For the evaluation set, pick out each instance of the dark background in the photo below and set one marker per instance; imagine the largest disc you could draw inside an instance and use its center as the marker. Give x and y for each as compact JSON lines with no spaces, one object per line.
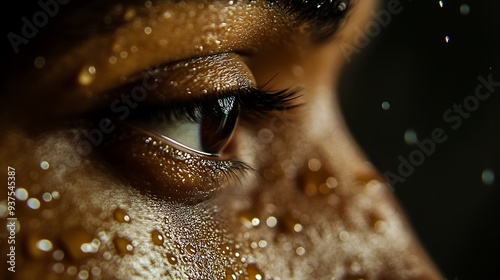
{"x":410,"y":65}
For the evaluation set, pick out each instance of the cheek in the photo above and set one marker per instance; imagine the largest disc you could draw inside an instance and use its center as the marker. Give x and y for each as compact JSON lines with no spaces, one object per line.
{"x":75,"y":218}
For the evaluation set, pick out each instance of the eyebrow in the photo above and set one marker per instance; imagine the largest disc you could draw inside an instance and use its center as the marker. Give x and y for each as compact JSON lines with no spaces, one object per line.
{"x":323,"y":16}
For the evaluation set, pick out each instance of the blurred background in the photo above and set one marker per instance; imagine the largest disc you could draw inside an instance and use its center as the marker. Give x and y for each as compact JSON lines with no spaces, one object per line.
{"x":396,"y":91}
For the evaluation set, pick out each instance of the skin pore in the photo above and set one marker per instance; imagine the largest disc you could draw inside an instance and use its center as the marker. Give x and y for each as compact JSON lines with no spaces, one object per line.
{"x":309,"y":206}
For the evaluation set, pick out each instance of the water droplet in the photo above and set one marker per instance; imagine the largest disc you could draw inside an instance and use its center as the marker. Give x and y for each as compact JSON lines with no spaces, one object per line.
{"x":157,"y":237}
{"x":410,"y":137}
{"x":190,"y":249}
{"x":33,"y":203}
{"x":21,"y":194}
{"x":254,"y":272}
{"x":380,"y":226}
{"x":55,"y":195}
{"x":129,"y":14}
{"x":121,"y":216}
{"x":58,"y":268}
{"x":355,"y":267}
{"x":112,"y":59}
{"x":344,"y":235}
{"x":73,"y":240}
{"x":230,"y":274}
{"x":148,"y":30}
{"x":96,"y":271}
{"x":314,"y":165}
{"x":300,"y":251}
{"x":123,"y":245}
{"x":386,"y":105}
{"x":44,"y":245}
{"x":44,"y":165}
{"x":39,"y":62}
{"x":271,"y":221}
{"x":171,"y":259}
{"x":148,"y":4}
{"x":83,"y":274}
{"x":464,"y":9}
{"x":447,"y":39}
{"x":488,"y":177}
{"x":123,"y":54}
{"x":72,"y":270}
{"x":58,"y":255}
{"x":90,"y":247}
{"x":47,"y":197}
{"x":441,"y":4}
{"x":262,"y":243}
{"x":86,"y":75}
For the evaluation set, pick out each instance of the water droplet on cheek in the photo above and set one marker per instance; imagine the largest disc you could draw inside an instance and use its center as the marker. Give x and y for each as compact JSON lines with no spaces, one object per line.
{"x":171,"y":259}
{"x":254,"y":272}
{"x":157,"y":238}
{"x":123,"y":245}
{"x":121,"y":216}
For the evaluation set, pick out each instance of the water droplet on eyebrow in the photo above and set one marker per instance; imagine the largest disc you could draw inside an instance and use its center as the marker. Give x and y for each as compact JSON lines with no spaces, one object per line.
{"x":39,"y":62}
{"x":148,"y":30}
{"x":123,"y":54}
{"x":86,"y":76}
{"x":148,"y":4}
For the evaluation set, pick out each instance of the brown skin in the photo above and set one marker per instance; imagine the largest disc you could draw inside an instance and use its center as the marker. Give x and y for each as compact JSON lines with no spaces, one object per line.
{"x":310,"y":226}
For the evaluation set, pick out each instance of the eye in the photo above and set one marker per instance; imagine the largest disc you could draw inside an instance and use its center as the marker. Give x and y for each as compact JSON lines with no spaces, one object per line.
{"x":169,"y":144}
{"x":205,"y":126}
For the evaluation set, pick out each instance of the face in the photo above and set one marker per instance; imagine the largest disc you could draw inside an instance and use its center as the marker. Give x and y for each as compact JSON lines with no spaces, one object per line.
{"x":195,"y":140}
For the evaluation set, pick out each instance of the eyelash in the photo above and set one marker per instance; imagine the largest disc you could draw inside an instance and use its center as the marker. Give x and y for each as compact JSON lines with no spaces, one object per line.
{"x":134,"y":149}
{"x":255,"y":104}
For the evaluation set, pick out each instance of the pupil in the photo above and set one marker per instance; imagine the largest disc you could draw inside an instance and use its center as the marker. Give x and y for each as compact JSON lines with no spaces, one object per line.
{"x":217,"y":124}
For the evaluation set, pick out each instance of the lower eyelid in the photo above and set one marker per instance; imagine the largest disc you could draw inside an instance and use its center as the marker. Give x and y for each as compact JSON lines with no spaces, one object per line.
{"x":158,"y":167}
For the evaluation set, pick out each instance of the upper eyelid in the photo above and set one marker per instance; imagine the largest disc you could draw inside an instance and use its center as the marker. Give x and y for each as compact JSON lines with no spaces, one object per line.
{"x":186,"y":80}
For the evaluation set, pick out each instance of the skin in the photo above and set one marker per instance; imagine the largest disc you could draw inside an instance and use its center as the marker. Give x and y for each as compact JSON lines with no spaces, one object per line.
{"x":312,"y":209}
